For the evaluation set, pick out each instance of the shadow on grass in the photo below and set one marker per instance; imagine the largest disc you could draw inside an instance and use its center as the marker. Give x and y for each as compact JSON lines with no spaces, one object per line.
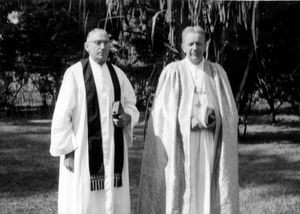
{"x":286,"y":130}
{"x":256,"y":170}
{"x":286,"y":136}
{"x":281,"y":119}
{"x":26,"y":165}
{"x":34,"y":123}
{"x":23,"y":128}
{"x":18,"y":183}
{"x":269,"y":158}
{"x":22,"y":134}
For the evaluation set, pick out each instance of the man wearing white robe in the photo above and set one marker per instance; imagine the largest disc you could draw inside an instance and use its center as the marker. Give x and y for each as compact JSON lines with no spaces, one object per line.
{"x":69,"y":134}
{"x":190,"y":154}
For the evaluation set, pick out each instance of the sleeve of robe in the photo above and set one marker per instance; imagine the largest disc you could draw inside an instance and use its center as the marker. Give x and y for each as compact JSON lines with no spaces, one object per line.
{"x":62,"y":134}
{"x":228,"y":151}
{"x":162,"y":127}
{"x":129,"y":105}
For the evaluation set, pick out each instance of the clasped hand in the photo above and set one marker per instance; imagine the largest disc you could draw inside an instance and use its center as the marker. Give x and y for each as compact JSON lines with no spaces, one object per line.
{"x":209,"y":123}
{"x":121,"y":120}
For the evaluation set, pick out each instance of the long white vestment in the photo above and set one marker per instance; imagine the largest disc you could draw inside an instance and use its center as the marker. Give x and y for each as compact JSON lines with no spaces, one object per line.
{"x":69,"y":132}
{"x":168,"y":183}
{"x":202,"y":142}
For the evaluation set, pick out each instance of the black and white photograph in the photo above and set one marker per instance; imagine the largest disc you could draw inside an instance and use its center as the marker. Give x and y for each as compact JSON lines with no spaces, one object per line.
{"x":149,"y":107}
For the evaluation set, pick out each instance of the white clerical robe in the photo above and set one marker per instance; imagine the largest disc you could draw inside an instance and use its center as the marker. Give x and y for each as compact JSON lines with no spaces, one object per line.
{"x":202,"y":143}
{"x":69,"y":132}
{"x":186,"y":171}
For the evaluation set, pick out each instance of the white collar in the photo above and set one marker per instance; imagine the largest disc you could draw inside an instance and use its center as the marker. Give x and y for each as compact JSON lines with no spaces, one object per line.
{"x":94,"y":63}
{"x":193,"y":68}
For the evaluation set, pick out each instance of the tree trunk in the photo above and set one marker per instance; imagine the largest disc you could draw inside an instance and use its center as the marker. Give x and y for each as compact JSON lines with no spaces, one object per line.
{"x":273,"y":117}
{"x":271,"y":102}
{"x":243,"y":81}
{"x":273,"y":112}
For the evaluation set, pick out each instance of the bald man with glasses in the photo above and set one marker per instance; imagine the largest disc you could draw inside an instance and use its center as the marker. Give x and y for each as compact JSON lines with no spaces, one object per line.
{"x":91,"y":130}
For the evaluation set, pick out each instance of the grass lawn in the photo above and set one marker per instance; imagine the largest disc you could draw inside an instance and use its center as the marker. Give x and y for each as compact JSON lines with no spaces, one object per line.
{"x":269,"y":167}
{"x":28,"y":174}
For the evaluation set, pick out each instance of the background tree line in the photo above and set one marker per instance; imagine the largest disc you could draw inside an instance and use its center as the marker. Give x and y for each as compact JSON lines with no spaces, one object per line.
{"x":256,"y":42}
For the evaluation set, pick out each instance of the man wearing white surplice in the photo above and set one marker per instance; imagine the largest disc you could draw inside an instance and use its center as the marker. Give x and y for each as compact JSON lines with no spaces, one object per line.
{"x":79,"y":191}
{"x":190,"y":155}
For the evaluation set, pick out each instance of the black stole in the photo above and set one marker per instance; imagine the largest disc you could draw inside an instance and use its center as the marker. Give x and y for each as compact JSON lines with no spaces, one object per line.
{"x":96,"y":164}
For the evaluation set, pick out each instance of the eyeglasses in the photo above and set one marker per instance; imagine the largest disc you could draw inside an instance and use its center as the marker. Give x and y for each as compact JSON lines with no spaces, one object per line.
{"x":99,"y":42}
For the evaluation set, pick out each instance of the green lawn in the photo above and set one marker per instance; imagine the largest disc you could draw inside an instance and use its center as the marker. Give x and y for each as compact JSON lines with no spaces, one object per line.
{"x":269,"y":167}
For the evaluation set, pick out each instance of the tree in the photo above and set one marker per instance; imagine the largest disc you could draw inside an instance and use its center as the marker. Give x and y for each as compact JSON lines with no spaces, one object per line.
{"x":44,"y":41}
{"x":277,"y":54}
{"x":146,"y":36}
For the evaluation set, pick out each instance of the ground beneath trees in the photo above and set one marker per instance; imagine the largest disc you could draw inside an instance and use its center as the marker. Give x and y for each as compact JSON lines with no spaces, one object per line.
{"x":269,"y":167}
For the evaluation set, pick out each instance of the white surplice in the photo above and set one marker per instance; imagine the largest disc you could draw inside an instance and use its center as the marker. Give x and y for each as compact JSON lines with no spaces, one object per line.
{"x":202,"y":143}
{"x":186,"y":171}
{"x":69,"y":132}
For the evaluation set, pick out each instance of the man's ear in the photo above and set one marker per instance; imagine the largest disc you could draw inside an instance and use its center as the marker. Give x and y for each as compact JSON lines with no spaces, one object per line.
{"x":86,"y":47}
{"x":182,"y":47}
{"x":205,"y":49}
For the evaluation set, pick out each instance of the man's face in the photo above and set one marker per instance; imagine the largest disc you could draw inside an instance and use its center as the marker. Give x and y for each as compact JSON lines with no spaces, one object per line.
{"x":97,"y":45}
{"x":193,"y":46}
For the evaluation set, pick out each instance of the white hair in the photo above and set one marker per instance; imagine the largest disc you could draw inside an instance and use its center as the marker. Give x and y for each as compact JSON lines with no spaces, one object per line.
{"x":192,"y":29}
{"x":96,"y":30}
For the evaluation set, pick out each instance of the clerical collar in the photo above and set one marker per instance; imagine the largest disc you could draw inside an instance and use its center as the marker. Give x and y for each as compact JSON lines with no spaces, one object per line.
{"x":193,"y":66}
{"x":196,"y":72}
{"x":95,"y":63}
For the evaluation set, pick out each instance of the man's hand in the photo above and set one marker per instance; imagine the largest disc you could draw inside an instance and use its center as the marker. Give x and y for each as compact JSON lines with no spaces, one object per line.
{"x":194,"y":124}
{"x":69,"y":161}
{"x":122,"y":120}
{"x":211,"y":121}
{"x":197,"y":125}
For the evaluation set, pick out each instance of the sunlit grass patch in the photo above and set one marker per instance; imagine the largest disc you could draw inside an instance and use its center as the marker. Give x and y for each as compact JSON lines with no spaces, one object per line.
{"x":269,"y":169}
